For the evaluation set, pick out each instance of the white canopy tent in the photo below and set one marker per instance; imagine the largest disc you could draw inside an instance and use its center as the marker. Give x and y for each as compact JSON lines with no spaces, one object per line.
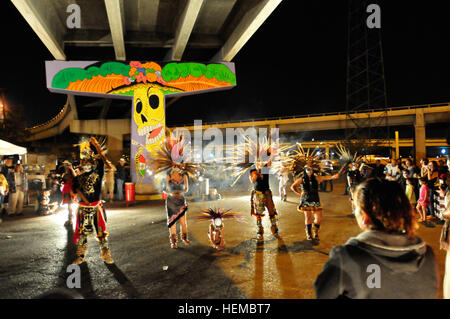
{"x":7,"y":148}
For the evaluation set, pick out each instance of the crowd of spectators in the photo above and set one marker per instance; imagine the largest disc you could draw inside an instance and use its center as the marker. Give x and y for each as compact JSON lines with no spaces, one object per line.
{"x":14,"y":185}
{"x":387,"y":259}
{"x":421,"y":184}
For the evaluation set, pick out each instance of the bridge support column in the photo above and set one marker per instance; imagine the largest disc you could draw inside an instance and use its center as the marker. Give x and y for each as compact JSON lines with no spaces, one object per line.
{"x":420,"y":136}
{"x":270,"y":128}
{"x":113,"y":129}
{"x":115,"y":147}
{"x":397,"y":148}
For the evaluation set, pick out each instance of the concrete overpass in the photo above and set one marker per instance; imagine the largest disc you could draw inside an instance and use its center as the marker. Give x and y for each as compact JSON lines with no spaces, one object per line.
{"x":168,"y":30}
{"x":116,"y":129}
{"x":176,"y":27}
{"x":214,"y":30}
{"x":417,"y":116}
{"x":328,"y":145}
{"x":404,"y":115}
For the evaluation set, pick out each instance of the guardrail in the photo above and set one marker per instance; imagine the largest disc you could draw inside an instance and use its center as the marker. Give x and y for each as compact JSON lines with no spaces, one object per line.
{"x":329,"y":114}
{"x":52,"y":122}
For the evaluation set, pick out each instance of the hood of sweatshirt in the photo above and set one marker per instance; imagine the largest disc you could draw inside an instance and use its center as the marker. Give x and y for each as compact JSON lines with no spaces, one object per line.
{"x":397,"y":252}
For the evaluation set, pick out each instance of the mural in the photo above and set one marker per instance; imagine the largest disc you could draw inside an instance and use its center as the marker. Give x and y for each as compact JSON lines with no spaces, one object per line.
{"x":146,"y":84}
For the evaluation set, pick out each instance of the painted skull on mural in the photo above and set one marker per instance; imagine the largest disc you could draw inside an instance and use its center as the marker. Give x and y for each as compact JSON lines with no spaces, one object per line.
{"x":149,"y":115}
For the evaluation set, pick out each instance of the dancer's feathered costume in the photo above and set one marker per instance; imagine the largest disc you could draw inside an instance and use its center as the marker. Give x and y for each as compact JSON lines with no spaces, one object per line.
{"x":216,"y":227}
{"x":299,"y":158}
{"x":91,"y":214}
{"x":307,"y":167}
{"x":213,"y":213}
{"x":173,"y":157}
{"x":354,"y":176}
{"x":262,"y":154}
{"x":346,"y":157}
{"x":310,"y":187}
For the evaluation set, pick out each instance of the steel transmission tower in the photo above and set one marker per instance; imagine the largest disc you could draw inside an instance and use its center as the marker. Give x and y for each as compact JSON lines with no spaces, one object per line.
{"x":366,"y":86}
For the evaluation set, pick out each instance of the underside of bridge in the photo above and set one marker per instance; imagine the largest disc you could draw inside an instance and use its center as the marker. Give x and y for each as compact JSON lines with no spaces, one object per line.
{"x":160,"y":30}
{"x":170,"y":30}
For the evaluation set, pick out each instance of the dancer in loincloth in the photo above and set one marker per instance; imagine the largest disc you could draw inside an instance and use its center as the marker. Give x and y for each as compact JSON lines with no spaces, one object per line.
{"x":176,"y":206}
{"x":91,"y":214}
{"x":257,"y":156}
{"x":261,"y":199}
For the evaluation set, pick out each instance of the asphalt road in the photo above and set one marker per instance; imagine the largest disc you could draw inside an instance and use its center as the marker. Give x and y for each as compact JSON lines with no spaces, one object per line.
{"x":35,"y":252}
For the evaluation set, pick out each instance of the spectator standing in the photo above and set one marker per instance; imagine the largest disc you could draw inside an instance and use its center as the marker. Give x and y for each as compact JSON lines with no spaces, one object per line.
{"x":400,"y":164}
{"x":392,"y":171}
{"x":108,"y":190}
{"x":387,"y":260}
{"x":410,"y":191}
{"x":403,"y":178}
{"x":433,"y":185}
{"x":440,"y":198}
{"x":283,"y":179}
{"x":328,"y":170}
{"x":424,"y":200}
{"x":3,"y":192}
{"x":121,"y":178}
{"x":424,"y":167}
{"x":6,"y":169}
{"x":444,"y":241}
{"x":410,"y":168}
{"x":443,"y":168}
{"x":378,"y":170}
{"x":18,"y":186}
{"x":414,"y":173}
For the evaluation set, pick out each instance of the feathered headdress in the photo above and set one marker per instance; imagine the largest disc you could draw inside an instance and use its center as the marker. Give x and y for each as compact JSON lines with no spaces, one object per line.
{"x":253,"y":153}
{"x":299,"y":158}
{"x":213,"y":213}
{"x":173,"y":155}
{"x":88,"y":150}
{"x":346,"y":157}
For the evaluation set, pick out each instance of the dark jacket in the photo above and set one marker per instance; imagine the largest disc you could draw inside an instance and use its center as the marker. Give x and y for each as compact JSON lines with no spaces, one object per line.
{"x":121,"y":172}
{"x":407,"y":269}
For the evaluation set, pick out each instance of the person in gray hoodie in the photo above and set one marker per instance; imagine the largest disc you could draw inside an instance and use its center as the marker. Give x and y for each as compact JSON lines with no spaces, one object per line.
{"x":387,"y":260}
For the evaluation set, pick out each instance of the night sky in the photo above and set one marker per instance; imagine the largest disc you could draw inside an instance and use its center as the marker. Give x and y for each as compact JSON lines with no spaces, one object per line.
{"x":294,"y":64}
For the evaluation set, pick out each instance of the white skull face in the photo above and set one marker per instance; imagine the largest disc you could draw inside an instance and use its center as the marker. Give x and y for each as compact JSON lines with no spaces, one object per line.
{"x":149,"y":115}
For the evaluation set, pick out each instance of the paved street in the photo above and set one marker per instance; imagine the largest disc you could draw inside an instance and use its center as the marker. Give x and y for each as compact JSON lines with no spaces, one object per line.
{"x":35,"y":252}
